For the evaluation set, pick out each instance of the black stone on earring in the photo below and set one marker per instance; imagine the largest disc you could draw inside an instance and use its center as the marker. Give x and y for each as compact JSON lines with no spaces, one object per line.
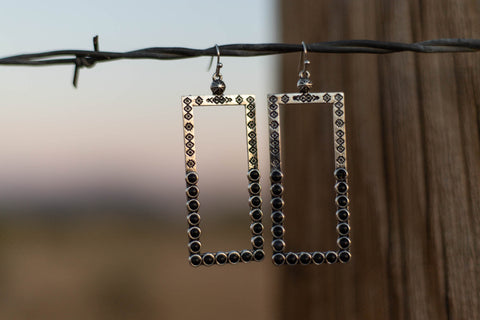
{"x":277,"y":203}
{"x":278,"y":231}
{"x":341,"y":174}
{"x":343,"y":242}
{"x":253,"y":175}
{"x":193,"y":205}
{"x":195,"y":260}
{"x":192,"y":177}
{"x":278,"y":245}
{"x":257,"y":241}
{"x":305,"y":258}
{"x":255,"y":201}
{"x":278,"y":259}
{"x":254,"y":188}
{"x":331,"y":257}
{"x":342,"y":201}
{"x":193,"y":218}
{"x":344,"y":256}
{"x":233,"y":257}
{"x":194,"y":246}
{"x":277,"y":217}
{"x":246,"y":255}
{"x":342,"y":214}
{"x":276,"y":176}
{"x":292,"y":258}
{"x":258,"y":255}
{"x":192,"y":192}
{"x":318,"y":257}
{"x":276,"y":190}
{"x":343,"y":228}
{"x":256,"y":228}
{"x":256,"y":214}
{"x":194,"y":232}
{"x":208,"y":259}
{"x":221,"y":258}
{"x":341,"y":187}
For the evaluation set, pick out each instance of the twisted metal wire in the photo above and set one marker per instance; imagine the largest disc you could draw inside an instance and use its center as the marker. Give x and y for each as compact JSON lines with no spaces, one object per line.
{"x":86,"y":58}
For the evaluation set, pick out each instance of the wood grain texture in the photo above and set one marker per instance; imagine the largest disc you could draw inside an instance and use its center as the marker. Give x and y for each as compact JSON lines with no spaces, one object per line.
{"x":413,"y":128}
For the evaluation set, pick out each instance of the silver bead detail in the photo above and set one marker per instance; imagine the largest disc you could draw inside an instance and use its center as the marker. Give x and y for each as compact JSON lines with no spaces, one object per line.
{"x":218,"y":87}
{"x":304,"y":85}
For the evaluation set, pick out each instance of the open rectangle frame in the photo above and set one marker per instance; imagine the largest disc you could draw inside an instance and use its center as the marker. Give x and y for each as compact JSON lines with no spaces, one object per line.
{"x":256,"y":252}
{"x":342,"y":253}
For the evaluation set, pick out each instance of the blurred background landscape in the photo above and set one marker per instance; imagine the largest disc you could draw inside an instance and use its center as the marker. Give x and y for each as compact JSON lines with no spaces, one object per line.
{"x":112,"y":267}
{"x":92,"y":180}
{"x":92,"y":202}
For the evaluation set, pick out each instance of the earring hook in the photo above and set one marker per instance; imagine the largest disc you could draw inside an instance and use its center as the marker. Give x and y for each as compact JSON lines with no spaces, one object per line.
{"x":304,"y":73}
{"x":217,"y":86}
{"x":304,"y":83}
{"x":217,"y":75}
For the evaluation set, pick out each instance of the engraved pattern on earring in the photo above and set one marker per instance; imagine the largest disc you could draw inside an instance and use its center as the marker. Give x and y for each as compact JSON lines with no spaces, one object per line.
{"x":341,"y":186}
{"x":337,"y":99}
{"x":256,"y":252}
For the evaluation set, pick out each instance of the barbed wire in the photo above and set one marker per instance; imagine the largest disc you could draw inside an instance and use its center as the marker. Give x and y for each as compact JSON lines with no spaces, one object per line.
{"x":85,"y":58}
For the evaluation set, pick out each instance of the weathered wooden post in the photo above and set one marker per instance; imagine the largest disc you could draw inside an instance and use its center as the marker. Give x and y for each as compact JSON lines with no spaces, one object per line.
{"x":413,"y":128}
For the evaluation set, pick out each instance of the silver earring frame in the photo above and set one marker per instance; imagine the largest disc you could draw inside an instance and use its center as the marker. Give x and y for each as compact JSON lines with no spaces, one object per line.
{"x":256,"y":252}
{"x":337,"y":100}
{"x":280,"y":256}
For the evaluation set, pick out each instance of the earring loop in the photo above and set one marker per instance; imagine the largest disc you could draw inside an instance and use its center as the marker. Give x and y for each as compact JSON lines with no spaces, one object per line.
{"x":217,"y":75}
{"x":218,"y":86}
{"x":304,"y":73}
{"x":304,"y":83}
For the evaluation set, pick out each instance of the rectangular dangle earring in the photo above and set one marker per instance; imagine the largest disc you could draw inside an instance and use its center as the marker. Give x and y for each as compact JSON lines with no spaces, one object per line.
{"x":341,"y":187}
{"x":217,"y":98}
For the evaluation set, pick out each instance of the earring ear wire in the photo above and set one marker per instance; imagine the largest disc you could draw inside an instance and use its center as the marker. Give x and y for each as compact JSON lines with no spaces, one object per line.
{"x":304,"y":84}
{"x":218,"y":86}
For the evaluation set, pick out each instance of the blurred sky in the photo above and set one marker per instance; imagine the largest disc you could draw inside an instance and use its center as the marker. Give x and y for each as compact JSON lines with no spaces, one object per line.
{"x":121,"y":132}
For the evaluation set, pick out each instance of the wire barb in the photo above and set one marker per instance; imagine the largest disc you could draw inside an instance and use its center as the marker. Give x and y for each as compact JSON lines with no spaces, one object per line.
{"x":84,"y":61}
